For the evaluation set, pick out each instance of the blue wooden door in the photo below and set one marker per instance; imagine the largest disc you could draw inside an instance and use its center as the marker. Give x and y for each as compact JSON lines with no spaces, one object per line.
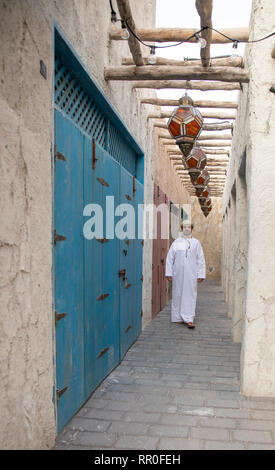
{"x":138,"y":244}
{"x":127,"y":263}
{"x":98,"y":282}
{"x":101,"y":272}
{"x":69,"y":267}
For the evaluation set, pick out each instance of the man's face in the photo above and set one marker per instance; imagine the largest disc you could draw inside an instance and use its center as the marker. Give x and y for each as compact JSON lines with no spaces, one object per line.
{"x":186,"y":229}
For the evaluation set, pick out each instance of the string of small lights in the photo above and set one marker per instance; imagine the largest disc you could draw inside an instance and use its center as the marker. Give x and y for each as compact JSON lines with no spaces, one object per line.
{"x":126,"y":30}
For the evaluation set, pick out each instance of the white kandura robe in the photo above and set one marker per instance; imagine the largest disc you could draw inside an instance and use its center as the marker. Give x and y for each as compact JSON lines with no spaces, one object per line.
{"x":185,"y":263}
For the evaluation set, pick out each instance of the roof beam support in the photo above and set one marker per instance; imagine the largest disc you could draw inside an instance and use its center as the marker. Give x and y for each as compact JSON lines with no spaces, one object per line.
{"x":134,"y":45}
{"x":204,"y":9}
{"x":166,"y":72}
{"x":181,"y":34}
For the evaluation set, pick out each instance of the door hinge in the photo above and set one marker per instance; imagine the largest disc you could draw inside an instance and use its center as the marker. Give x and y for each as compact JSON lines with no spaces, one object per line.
{"x":128,"y":328}
{"x":134,"y":186}
{"x":94,"y":157}
{"x":58,"y":317}
{"x":58,"y":238}
{"x":141,"y":278}
{"x":59,"y":393}
{"x":58,"y":155}
{"x":102,"y":240}
{"x":102,"y":352}
{"x":103,"y":182}
{"x":103,"y":296}
{"x":128,"y":197}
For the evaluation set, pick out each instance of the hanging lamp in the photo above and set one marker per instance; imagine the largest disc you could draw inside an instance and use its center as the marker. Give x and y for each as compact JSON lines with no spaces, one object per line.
{"x":185,"y":124}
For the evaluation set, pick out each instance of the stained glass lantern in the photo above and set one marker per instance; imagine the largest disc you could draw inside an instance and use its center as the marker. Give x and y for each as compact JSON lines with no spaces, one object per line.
{"x":205,"y":201}
{"x":195,"y":162}
{"x":185,"y":124}
{"x":202,"y":179}
{"x":203,"y":191}
{"x":206,"y":210}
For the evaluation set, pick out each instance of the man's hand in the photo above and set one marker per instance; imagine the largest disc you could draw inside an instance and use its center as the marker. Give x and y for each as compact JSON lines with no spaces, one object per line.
{"x":169,"y":278}
{"x":200,"y":279}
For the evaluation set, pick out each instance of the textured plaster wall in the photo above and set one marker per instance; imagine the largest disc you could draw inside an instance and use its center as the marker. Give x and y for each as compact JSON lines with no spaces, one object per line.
{"x":165,"y":175}
{"x":27,"y":327}
{"x":254,"y":132}
{"x":208,"y":230}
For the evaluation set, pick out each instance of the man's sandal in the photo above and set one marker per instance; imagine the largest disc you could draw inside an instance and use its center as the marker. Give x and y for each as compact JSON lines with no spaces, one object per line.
{"x":190,"y":325}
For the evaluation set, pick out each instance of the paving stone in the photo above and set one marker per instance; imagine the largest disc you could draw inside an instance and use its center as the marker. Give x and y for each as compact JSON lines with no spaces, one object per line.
{"x":84,"y":424}
{"x":136,"y":442}
{"x":178,"y":419}
{"x":264,"y":437}
{"x":219,"y":445}
{"x":260,"y":414}
{"x":262,"y":425}
{"x":106,"y":415}
{"x":227,"y":423}
{"x":168,"y":431}
{"x":210,"y":434}
{"x":90,"y":439}
{"x":260,"y":447}
{"x":176,"y":389}
{"x":128,"y":428}
{"x":178,"y":444}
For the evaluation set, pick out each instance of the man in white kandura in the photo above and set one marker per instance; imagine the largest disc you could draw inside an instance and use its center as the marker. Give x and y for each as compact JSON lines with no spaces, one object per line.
{"x":185,"y":267}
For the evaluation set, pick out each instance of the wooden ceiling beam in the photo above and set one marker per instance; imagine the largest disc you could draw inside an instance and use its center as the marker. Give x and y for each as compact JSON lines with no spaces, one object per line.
{"x":134,"y":45}
{"x":204,"y":9}
{"x":205,"y":127}
{"x":226,"y":61}
{"x":197,"y":103}
{"x":205,"y":114}
{"x":166,"y":72}
{"x":181,"y":34}
{"x":187,"y":85}
{"x":166,"y":135}
{"x":201,"y":144}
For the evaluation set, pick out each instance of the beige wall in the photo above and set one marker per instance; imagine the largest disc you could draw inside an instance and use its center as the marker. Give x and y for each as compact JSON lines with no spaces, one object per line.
{"x":27,"y":327}
{"x":208,"y":230}
{"x":253,"y":262}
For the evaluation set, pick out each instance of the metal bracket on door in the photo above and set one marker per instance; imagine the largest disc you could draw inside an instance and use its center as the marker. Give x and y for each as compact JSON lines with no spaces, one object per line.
{"x":102,"y":240}
{"x":59,"y":393}
{"x":103,"y":296}
{"x":58,"y":317}
{"x":134,"y":186}
{"x":102,"y":352}
{"x":103,"y":182}
{"x":58,"y":155}
{"x":58,"y":238}
{"x":94,"y":157}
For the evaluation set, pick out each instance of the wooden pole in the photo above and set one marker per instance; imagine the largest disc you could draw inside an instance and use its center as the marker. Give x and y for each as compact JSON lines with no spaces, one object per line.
{"x":227,"y":62}
{"x":181,"y":34}
{"x":165,"y":72}
{"x":207,"y":127}
{"x":134,"y":45}
{"x":205,"y":114}
{"x":204,"y":9}
{"x":166,"y":135}
{"x":187,"y":85}
{"x":197,"y":104}
{"x":203,"y":144}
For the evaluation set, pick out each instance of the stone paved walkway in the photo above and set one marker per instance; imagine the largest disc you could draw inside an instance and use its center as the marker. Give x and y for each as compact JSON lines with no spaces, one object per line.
{"x":176,"y":389}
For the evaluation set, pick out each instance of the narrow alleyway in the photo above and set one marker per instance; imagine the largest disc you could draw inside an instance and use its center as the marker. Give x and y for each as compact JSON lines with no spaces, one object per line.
{"x":176,"y":389}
